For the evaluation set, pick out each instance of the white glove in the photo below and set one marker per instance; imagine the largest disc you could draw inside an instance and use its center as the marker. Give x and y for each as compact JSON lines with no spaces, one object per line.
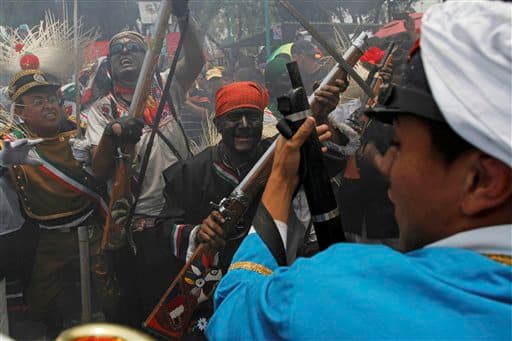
{"x":17,"y":152}
{"x":81,"y":150}
{"x":121,"y":208}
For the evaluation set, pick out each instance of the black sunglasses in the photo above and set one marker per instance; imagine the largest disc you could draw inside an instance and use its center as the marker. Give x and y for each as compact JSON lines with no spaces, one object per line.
{"x":130,"y":47}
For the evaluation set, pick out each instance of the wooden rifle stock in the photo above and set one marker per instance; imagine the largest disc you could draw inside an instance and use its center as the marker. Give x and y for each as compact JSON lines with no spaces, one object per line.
{"x":112,"y":233}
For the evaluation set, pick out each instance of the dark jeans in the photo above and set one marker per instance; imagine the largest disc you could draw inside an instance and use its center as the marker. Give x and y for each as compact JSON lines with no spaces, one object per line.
{"x":17,"y":250}
{"x":57,"y":254}
{"x":144,"y":277}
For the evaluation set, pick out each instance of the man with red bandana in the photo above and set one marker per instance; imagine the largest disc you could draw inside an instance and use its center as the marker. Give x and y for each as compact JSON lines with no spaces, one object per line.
{"x":192,"y":185}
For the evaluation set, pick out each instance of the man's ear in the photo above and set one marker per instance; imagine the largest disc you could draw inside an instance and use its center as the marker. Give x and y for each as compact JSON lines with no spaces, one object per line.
{"x":488,"y":184}
{"x":18,"y":110}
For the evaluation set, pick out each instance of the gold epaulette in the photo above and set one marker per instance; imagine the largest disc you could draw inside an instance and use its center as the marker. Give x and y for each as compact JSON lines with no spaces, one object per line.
{"x":250,"y":266}
{"x":83,"y":124}
{"x":503,"y":259}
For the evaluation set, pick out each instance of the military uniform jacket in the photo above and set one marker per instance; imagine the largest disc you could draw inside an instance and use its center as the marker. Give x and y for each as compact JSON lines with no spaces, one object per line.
{"x":42,"y":192}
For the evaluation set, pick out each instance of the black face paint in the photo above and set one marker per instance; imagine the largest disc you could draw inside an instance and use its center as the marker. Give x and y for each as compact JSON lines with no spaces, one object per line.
{"x":126,"y":60}
{"x":241,"y":129}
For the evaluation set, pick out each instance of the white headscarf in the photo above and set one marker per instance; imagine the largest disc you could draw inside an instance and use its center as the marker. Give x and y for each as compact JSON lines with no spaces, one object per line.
{"x":466,"y":49}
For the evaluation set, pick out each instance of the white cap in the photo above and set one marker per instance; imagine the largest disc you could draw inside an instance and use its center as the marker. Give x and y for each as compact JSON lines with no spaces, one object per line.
{"x":466,"y":49}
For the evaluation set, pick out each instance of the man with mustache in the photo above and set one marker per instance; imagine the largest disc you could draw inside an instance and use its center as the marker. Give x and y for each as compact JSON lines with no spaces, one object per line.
{"x":451,"y":183}
{"x":54,"y":192}
{"x":143,"y":277}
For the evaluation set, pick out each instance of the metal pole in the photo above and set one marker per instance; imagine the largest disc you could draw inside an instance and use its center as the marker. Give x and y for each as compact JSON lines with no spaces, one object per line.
{"x":77,"y":69}
{"x":83,"y":233}
{"x":267,"y":28}
{"x":85,"y":277}
{"x":389,"y":10}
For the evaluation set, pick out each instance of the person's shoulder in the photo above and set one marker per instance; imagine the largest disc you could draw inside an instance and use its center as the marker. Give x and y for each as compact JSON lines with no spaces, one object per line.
{"x":345,"y":256}
{"x":344,"y":266}
{"x":102,"y":106}
{"x":199,"y":159}
{"x":189,"y":168}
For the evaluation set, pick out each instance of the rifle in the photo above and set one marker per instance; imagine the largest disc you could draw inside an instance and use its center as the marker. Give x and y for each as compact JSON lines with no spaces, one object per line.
{"x":112,"y":233}
{"x":378,"y":81}
{"x":317,"y":186}
{"x":355,"y":121}
{"x":345,"y":65}
{"x":171,"y":315}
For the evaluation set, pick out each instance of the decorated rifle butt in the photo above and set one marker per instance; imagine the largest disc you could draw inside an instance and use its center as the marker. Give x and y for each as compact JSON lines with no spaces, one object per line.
{"x":195,"y":284}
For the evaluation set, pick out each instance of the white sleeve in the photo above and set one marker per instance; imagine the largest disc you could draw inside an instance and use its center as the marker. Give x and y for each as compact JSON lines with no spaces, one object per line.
{"x":282,"y":228}
{"x":96,"y":123}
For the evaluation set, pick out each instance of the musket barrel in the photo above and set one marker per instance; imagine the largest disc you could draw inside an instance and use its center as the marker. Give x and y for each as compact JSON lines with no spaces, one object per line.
{"x":351,"y":56}
{"x":150,"y":60}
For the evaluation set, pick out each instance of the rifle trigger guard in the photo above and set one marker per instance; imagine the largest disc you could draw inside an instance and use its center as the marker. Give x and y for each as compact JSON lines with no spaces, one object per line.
{"x":121,"y":155}
{"x":215,"y":206}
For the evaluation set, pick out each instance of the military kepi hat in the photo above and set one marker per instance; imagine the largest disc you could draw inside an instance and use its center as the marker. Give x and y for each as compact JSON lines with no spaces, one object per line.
{"x":26,"y":80}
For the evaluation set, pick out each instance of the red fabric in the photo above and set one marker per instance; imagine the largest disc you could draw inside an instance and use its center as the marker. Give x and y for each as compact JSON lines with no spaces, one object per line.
{"x":95,"y":50}
{"x":100,"y":48}
{"x":19,"y":47}
{"x":397,"y":26}
{"x":413,"y":50}
{"x":240,"y":95}
{"x":373,"y":55}
{"x":29,"y":62}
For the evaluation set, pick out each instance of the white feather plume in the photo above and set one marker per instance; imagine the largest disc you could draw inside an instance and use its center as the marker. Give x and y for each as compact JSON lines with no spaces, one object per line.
{"x":52,"y":41}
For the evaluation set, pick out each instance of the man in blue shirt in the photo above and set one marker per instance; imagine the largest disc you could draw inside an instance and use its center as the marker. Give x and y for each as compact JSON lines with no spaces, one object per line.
{"x":450,"y":182}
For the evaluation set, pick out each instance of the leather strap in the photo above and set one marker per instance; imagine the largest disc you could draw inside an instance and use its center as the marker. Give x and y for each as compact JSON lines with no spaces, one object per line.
{"x":267,"y":230}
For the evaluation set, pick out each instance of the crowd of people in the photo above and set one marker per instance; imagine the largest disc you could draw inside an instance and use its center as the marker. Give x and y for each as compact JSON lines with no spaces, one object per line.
{"x":425,"y":200}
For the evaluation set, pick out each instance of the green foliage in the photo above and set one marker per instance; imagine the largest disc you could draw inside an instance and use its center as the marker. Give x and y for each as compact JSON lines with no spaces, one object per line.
{"x":231,"y":20}
{"x":224,"y":20}
{"x":110,"y":16}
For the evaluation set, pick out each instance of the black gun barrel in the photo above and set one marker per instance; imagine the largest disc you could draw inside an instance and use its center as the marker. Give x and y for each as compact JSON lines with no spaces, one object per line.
{"x":317,"y":185}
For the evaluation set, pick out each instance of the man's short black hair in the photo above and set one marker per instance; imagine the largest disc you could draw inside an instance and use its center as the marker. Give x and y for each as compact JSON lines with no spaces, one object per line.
{"x":446,"y":142}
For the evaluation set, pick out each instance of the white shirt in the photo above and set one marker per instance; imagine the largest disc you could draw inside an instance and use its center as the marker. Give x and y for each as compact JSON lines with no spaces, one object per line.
{"x":492,"y":239}
{"x":151,"y":200}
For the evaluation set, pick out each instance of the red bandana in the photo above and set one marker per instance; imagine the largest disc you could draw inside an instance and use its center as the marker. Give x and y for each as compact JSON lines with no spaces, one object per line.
{"x":240,"y":95}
